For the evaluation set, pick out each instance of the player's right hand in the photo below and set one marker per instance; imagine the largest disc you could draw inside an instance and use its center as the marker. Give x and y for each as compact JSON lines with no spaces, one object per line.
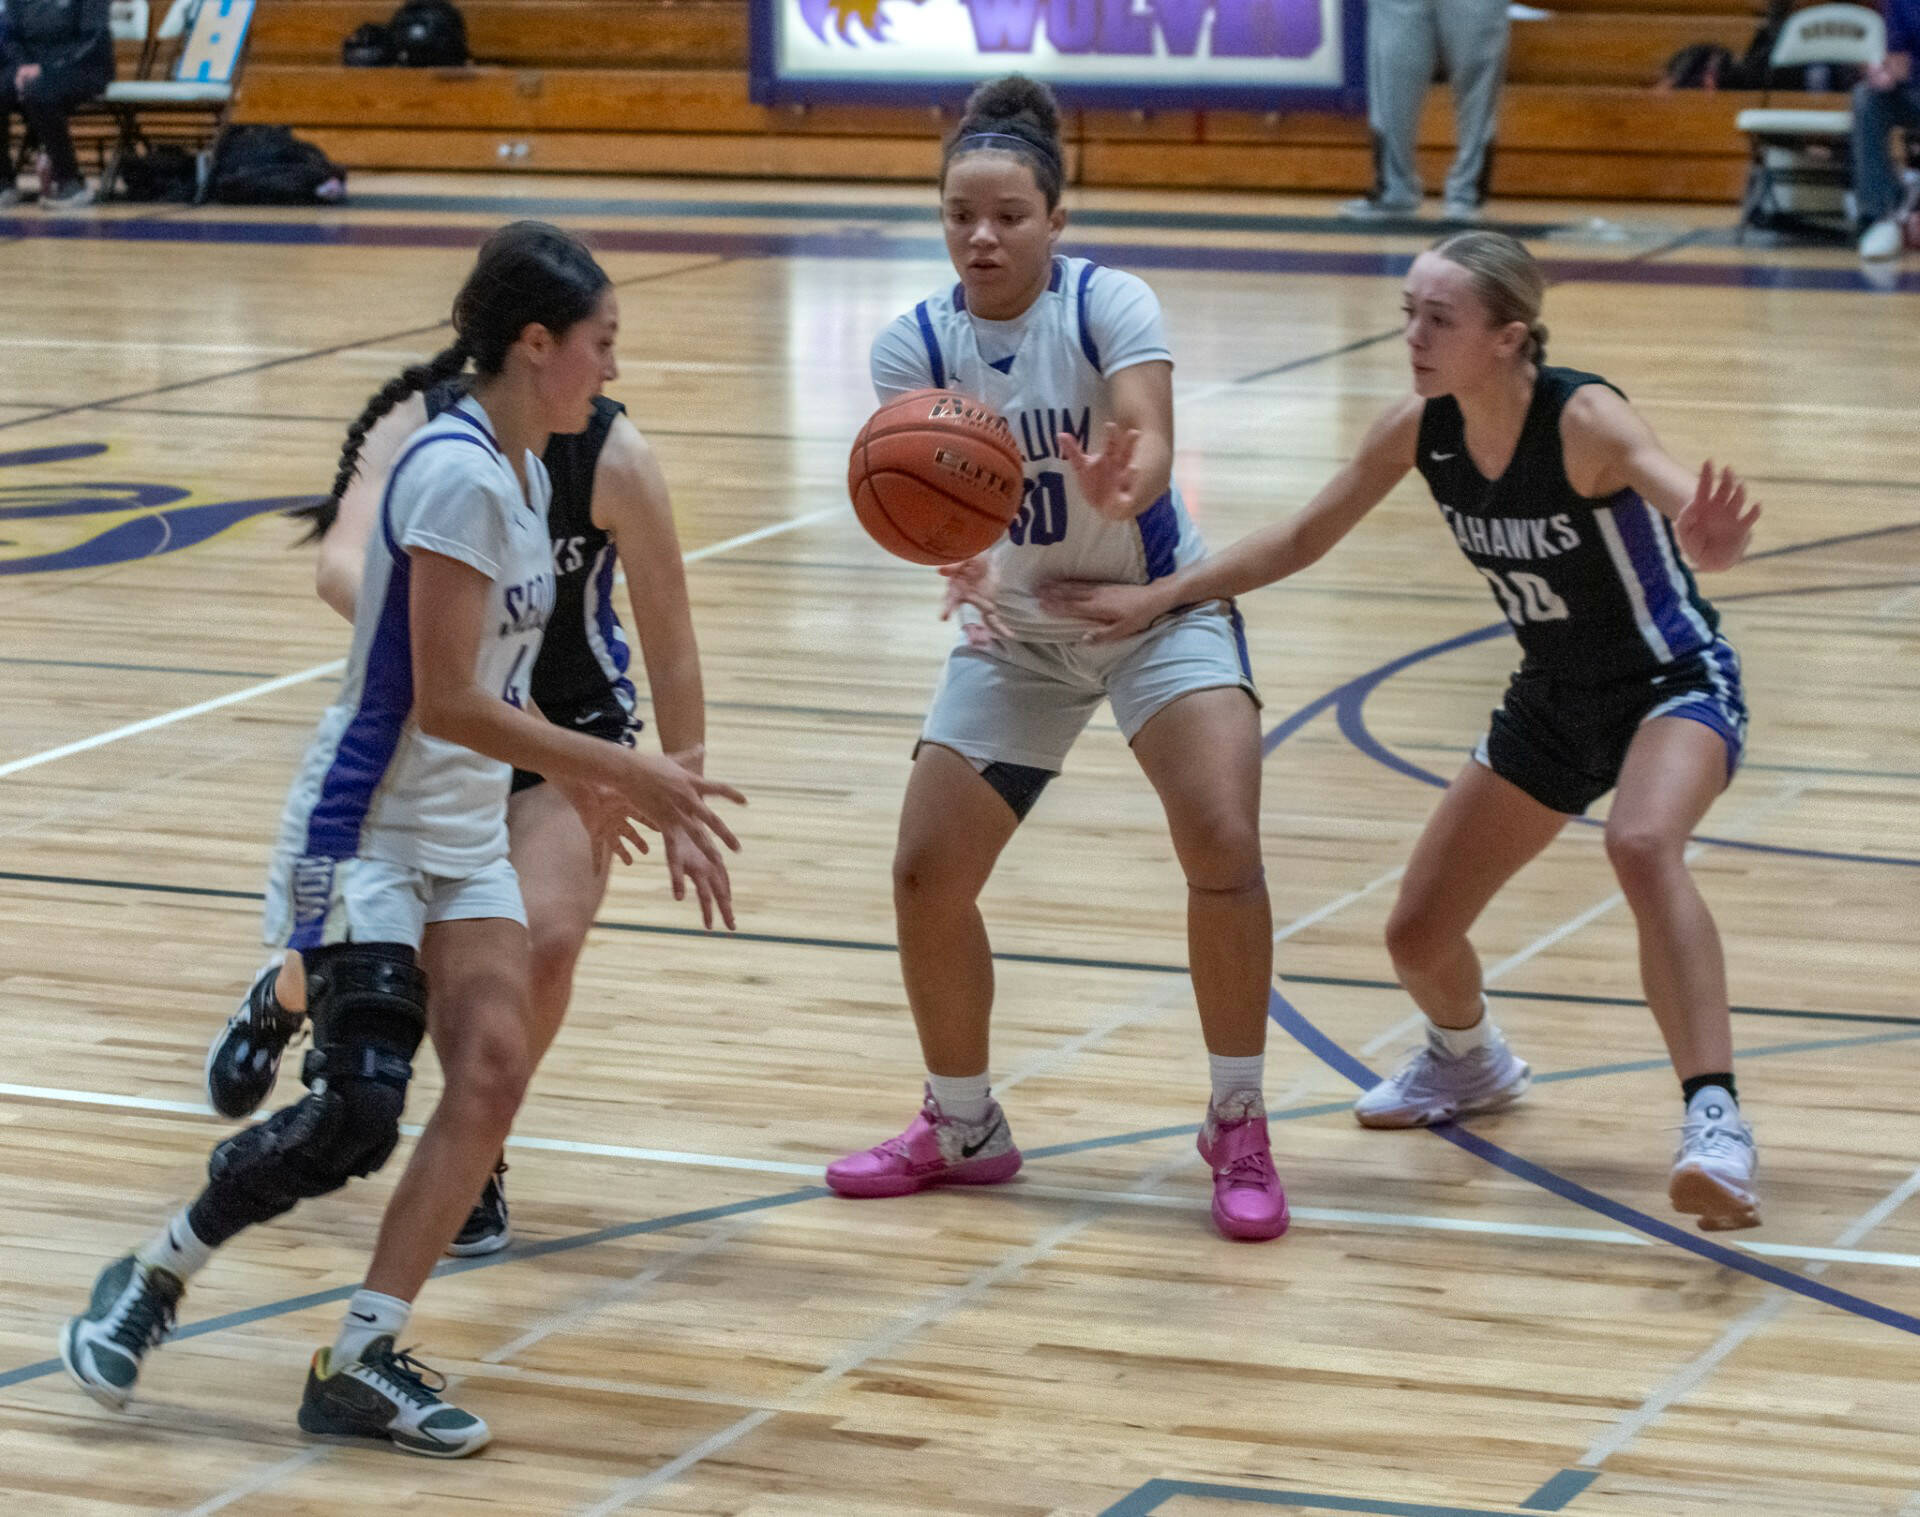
{"x":971,"y":583}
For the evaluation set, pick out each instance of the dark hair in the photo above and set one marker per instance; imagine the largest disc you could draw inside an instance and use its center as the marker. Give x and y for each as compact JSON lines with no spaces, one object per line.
{"x":528,"y":274}
{"x":1015,"y":115}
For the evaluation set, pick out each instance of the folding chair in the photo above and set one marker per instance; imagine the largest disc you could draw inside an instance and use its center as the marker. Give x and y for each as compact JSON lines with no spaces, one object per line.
{"x":209,"y":40}
{"x":1797,"y":153}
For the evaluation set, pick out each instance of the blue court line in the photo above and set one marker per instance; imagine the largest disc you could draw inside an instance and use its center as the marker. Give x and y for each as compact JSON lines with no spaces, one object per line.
{"x":857,"y":244}
{"x":1156,"y":1493}
{"x":1561,"y":1489}
{"x":1338,"y":1058}
{"x":547,"y":207}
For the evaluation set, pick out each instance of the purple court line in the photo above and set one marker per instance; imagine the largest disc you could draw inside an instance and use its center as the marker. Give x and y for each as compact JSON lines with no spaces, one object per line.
{"x":865,"y":244}
{"x":1339,"y":1059}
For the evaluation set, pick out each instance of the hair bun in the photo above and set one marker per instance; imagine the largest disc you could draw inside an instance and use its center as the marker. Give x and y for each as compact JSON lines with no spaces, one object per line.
{"x":1013,"y":98}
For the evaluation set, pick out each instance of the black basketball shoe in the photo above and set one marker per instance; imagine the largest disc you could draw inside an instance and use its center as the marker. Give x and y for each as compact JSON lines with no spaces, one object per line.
{"x":485,"y":1230}
{"x":245,"y":1057}
{"x":384,"y":1394}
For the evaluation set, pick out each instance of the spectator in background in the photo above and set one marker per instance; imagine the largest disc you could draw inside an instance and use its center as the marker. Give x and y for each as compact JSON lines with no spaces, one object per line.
{"x":1403,"y":39}
{"x":53,"y":55}
{"x":1887,"y":97}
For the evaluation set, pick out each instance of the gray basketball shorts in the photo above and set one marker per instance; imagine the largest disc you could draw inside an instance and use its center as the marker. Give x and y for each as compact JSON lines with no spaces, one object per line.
{"x":1025,"y":703}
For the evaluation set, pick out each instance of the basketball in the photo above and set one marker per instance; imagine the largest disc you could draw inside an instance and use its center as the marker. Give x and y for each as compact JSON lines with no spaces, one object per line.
{"x":935,"y":477}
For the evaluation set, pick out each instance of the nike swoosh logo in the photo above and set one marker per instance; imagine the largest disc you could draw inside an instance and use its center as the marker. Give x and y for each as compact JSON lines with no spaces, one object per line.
{"x":362,"y":1317}
{"x":968,"y":1150}
{"x":1440,"y":458}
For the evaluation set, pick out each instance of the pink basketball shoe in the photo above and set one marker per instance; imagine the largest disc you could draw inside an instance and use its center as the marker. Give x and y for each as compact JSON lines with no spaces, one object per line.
{"x":934,"y":1150}
{"x":1248,"y":1201}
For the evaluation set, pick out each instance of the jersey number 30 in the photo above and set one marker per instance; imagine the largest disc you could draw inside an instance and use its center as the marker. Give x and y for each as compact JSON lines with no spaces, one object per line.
{"x":1525,"y":597}
{"x":1043,"y":512}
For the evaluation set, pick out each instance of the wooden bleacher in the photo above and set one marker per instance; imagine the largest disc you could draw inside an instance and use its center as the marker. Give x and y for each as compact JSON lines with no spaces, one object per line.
{"x":660,"y":86}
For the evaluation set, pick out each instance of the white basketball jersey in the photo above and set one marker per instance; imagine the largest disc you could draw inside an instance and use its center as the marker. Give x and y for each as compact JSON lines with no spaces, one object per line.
{"x":1046,"y":371}
{"x":372,"y":784}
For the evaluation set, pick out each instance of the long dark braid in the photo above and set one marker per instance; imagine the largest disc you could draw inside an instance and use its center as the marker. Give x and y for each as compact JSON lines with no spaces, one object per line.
{"x":527,"y":273}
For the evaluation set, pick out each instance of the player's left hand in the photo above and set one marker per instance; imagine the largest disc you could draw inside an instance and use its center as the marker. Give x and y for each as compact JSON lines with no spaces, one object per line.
{"x":708,"y":875}
{"x":1116,"y":611}
{"x":1717,"y":524}
{"x":610,"y":830}
{"x":1109,"y":479}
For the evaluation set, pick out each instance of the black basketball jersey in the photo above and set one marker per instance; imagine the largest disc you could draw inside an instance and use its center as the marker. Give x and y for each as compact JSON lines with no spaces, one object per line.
{"x":1595,"y":589}
{"x":583,"y":658}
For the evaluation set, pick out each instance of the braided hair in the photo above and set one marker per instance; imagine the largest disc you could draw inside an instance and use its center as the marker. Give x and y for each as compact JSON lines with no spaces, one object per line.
{"x":1014,"y":115}
{"x":527,"y":274}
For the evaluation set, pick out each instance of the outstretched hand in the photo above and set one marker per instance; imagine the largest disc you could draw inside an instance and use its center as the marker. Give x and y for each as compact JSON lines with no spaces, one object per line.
{"x":971,"y":583}
{"x":1717,"y":524}
{"x":1109,"y":480}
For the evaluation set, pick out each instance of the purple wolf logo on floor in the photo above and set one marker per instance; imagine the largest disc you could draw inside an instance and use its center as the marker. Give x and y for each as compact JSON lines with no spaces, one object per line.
{"x":162,"y":527}
{"x":1122,"y":28}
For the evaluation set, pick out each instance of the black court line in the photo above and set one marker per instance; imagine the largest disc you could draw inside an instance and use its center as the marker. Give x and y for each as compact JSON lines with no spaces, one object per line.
{"x":85,"y":663}
{"x":327,"y":352}
{"x":1835,"y":542}
{"x":1047,"y":960}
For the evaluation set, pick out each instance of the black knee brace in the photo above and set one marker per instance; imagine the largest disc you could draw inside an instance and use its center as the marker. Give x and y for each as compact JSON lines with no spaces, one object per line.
{"x":368,"y":1005}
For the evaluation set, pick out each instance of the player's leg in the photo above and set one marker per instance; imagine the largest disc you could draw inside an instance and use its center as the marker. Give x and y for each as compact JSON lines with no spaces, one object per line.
{"x":1675,"y":768}
{"x":1000,"y":727}
{"x":1202,"y":753}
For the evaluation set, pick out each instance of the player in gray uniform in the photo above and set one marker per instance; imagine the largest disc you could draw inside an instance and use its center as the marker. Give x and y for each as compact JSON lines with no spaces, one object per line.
{"x":1074,"y":357}
{"x":1562,"y":497}
{"x":393,"y":853}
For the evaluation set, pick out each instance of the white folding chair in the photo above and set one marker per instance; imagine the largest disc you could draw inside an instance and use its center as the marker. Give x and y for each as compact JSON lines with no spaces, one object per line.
{"x":1802,"y":159}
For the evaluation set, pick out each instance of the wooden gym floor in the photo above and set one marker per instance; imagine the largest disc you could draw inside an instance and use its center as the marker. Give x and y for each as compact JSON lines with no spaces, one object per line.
{"x":1495,"y":1322}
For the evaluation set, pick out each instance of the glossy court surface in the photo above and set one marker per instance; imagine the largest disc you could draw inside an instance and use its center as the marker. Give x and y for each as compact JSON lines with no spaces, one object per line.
{"x":1502,"y":1320}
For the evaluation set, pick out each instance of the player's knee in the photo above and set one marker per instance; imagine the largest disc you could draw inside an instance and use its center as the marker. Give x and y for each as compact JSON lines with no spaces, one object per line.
{"x":923,"y":881}
{"x":1223,"y":858}
{"x":553,"y":951}
{"x":488,"y":1074}
{"x":1416,"y":936}
{"x":1641,"y":854}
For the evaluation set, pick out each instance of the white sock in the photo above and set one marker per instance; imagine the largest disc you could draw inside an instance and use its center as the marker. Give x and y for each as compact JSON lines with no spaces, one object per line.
{"x":369,"y":1315}
{"x":176,"y":1248}
{"x":961,"y":1097}
{"x":1457,"y":1042}
{"x":1233,"y":1075}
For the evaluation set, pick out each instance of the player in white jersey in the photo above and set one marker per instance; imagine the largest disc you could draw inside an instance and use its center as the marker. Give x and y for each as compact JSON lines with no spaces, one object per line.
{"x":392,"y":856}
{"x":1074,"y":356}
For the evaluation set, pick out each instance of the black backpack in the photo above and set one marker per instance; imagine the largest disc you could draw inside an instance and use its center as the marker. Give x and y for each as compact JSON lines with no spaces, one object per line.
{"x":369,"y":46}
{"x":268,"y":165}
{"x":163,"y":171}
{"x":429,"y":34}
{"x":1699,"y":66}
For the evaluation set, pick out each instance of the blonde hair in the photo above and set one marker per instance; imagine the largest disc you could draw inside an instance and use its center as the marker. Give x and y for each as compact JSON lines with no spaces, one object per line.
{"x":1505,"y":277}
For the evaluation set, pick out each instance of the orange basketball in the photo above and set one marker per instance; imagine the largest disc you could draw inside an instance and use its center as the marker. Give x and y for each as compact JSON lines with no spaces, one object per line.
{"x":935,"y":477}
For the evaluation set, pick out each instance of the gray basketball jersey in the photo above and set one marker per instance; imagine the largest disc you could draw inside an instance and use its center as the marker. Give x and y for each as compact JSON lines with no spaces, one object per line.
{"x":1046,"y":371}
{"x":372,"y":784}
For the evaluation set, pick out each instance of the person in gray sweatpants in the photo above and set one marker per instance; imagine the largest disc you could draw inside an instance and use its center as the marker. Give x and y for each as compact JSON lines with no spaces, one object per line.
{"x":1404,"y":38}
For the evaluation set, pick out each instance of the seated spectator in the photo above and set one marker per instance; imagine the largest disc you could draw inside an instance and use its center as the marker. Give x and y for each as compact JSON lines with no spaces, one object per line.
{"x":53,"y":55}
{"x":1887,"y":97}
{"x":1403,"y":38}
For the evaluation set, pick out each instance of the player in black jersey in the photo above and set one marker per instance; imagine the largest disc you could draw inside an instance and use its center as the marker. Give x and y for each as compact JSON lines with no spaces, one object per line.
{"x":610,"y":508}
{"x":1584,"y":527}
